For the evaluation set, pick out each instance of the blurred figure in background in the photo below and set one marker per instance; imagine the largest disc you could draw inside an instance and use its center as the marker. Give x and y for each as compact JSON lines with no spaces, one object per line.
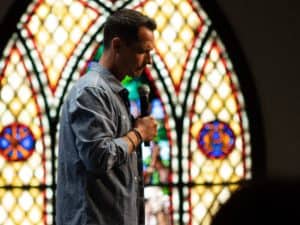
{"x":157,"y":202}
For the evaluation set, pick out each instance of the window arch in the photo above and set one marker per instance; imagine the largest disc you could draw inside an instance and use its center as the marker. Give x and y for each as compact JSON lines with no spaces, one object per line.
{"x":205,"y":146}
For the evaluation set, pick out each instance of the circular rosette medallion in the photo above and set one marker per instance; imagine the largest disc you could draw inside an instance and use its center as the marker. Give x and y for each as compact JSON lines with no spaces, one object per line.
{"x":216,"y":139}
{"x":16,"y":142}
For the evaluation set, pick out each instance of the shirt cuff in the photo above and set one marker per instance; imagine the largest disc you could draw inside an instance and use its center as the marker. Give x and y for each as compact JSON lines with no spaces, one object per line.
{"x":122,"y":144}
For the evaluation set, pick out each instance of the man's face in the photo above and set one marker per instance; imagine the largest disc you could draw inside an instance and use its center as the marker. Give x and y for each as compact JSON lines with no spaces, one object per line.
{"x":133,"y":58}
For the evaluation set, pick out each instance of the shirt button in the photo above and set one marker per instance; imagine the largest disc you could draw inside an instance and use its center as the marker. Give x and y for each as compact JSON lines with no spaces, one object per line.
{"x":136,"y":178}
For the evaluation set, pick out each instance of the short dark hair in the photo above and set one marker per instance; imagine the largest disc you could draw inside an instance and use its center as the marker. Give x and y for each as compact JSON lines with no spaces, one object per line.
{"x":125,"y":23}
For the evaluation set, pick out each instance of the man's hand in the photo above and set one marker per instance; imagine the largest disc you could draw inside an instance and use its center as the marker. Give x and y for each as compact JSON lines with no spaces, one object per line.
{"x":147,"y":127}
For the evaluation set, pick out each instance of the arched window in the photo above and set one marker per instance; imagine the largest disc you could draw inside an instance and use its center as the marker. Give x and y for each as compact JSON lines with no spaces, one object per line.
{"x":204,"y":148}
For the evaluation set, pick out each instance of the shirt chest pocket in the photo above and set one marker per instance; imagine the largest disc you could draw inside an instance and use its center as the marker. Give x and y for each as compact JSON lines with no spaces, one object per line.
{"x":122,"y":120}
{"x":123,"y":123}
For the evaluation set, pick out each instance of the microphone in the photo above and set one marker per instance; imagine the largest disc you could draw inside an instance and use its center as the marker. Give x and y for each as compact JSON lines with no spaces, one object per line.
{"x":144,"y":91}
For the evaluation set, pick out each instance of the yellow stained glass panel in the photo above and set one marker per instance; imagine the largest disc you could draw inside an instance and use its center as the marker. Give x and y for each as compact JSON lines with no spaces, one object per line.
{"x":178,"y":25}
{"x":56,"y":28}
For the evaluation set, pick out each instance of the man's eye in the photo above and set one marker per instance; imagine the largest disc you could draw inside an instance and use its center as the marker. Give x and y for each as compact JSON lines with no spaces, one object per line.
{"x":141,"y":51}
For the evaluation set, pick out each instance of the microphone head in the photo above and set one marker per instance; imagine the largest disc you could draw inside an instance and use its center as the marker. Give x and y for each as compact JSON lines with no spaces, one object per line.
{"x":143,"y":90}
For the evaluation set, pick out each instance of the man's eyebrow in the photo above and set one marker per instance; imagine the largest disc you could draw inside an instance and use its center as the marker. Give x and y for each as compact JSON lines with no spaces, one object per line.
{"x":148,"y":49}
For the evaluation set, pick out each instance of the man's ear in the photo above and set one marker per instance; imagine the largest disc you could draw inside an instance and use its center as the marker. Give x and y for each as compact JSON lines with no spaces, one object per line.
{"x":116,"y":44}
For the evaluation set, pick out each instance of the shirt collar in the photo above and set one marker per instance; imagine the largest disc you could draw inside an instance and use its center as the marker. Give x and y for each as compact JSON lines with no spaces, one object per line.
{"x":112,"y":81}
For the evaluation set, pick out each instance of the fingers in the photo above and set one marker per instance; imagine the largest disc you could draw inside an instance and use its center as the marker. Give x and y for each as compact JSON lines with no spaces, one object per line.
{"x":147,"y":126}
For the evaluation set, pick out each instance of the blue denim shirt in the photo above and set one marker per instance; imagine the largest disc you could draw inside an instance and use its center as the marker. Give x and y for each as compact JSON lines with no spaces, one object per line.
{"x":98,"y":181}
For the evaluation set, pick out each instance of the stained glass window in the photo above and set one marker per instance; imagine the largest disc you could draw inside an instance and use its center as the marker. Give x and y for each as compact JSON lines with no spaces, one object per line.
{"x":203,"y":148}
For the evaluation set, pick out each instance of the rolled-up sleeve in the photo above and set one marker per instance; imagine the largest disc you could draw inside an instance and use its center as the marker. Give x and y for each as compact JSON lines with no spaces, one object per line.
{"x":94,"y":120}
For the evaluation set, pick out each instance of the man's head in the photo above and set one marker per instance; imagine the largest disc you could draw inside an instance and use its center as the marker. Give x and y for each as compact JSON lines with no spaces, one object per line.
{"x":128,"y":36}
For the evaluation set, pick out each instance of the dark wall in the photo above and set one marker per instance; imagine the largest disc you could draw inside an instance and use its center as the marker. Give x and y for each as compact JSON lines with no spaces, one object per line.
{"x":4,"y":6}
{"x":268,"y":32}
{"x":269,"y":35}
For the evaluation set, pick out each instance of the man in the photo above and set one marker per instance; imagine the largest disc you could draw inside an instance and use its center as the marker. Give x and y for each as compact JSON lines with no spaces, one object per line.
{"x":99,"y":182}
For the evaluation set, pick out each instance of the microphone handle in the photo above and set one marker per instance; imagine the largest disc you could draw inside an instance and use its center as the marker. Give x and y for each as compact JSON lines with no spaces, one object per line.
{"x":144,"y":111}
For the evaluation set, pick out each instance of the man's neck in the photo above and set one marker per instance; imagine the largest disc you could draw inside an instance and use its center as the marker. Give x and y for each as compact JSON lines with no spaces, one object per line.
{"x":107,"y":62}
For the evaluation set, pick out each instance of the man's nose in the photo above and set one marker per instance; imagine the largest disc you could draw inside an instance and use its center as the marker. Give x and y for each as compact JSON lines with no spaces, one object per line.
{"x":148,"y":59}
